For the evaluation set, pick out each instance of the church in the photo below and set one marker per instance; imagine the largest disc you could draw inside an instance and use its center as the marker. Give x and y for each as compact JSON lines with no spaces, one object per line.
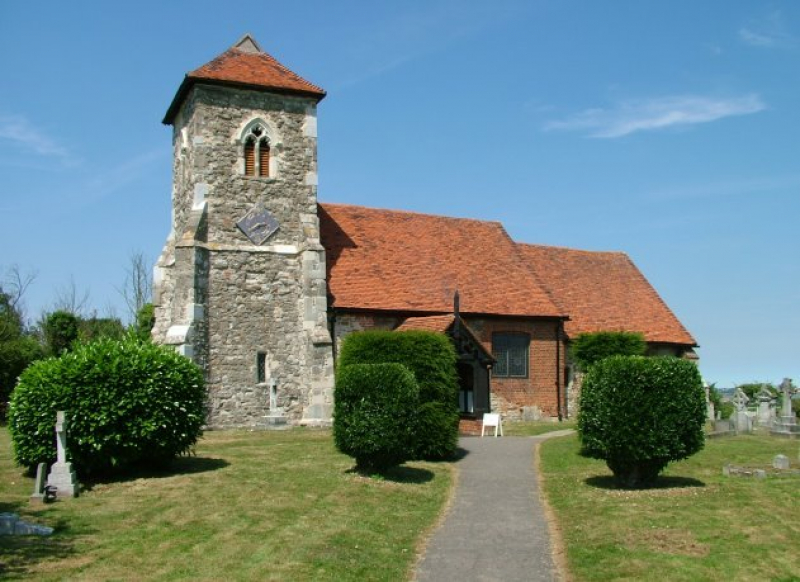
{"x":258,"y":282}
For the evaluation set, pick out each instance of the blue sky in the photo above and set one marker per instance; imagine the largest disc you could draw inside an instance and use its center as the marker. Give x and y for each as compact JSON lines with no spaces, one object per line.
{"x":668,"y":130}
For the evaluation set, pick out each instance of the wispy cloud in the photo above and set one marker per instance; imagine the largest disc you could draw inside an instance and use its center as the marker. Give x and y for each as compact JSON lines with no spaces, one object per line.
{"x":656,"y":113}
{"x":22,"y":134}
{"x":758,"y":186}
{"x":399,"y":36}
{"x":767,"y":32}
{"x":118,"y":177}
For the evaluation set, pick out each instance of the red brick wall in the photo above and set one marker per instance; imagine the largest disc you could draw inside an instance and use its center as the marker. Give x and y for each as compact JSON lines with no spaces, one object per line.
{"x":516,"y":398}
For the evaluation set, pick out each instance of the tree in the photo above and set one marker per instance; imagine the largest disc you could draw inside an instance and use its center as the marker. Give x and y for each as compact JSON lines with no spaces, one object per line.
{"x":145,"y":320}
{"x":137,"y":291}
{"x":589,"y":348}
{"x":17,"y":347}
{"x":70,"y":300}
{"x":60,"y":330}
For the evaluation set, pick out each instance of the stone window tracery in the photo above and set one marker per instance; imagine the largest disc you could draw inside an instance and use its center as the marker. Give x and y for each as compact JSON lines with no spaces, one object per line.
{"x":256,"y":151}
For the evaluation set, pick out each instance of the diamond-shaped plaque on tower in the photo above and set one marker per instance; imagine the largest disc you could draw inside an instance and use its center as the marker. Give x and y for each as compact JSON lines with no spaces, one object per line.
{"x":258,"y":224}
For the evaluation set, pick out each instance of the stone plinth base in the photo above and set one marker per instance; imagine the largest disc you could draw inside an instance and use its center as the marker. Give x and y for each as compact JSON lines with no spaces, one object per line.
{"x":63,"y":478}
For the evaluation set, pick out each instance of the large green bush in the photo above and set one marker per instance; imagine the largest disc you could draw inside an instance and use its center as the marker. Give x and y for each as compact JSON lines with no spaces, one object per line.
{"x":375,"y":414}
{"x":127,"y":403}
{"x":638,"y":414}
{"x":588,"y":348}
{"x":431,"y":357}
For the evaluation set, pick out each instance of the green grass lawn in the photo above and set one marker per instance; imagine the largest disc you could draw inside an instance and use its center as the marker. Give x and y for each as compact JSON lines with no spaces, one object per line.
{"x":535,"y":428}
{"x":249,"y":506}
{"x":695,"y":525}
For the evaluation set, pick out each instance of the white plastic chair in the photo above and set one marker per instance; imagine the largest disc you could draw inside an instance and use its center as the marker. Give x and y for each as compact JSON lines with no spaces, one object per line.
{"x":492,"y":420}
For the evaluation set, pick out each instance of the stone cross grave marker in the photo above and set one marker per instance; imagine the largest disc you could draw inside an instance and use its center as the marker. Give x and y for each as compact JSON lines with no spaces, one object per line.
{"x":61,"y":476}
{"x":787,"y":390}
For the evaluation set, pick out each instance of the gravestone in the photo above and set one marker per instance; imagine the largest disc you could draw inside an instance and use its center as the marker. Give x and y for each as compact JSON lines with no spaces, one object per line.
{"x":61,"y":476}
{"x":780,"y":462}
{"x":276,"y":417}
{"x":709,"y":404}
{"x":741,"y":419}
{"x":786,"y":424}
{"x":38,"y":485}
{"x":766,"y":408}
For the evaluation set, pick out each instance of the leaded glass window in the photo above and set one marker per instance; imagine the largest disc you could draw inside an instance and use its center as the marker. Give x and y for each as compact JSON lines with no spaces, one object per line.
{"x":511,"y":352}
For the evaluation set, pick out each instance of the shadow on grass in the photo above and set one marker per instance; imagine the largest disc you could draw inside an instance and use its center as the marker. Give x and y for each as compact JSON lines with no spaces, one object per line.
{"x":19,"y":553}
{"x":400,"y":474}
{"x":663,"y":482}
{"x":180,"y":466}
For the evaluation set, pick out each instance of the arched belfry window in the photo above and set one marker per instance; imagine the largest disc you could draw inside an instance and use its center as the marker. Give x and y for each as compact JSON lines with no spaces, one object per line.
{"x":256,"y":151}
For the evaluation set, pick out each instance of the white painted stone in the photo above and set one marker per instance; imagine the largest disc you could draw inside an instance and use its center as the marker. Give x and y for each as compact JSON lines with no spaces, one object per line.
{"x":285,"y":249}
{"x":310,"y":123}
{"x":195,"y":312}
{"x":186,"y":350}
{"x":178,"y":334}
{"x":200,"y":193}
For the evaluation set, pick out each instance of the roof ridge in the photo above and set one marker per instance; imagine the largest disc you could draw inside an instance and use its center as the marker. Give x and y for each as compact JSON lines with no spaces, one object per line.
{"x":412,"y":212}
{"x":573,"y":249}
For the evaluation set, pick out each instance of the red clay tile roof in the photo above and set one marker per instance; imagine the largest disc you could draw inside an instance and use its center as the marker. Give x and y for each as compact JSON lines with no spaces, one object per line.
{"x":404,"y":261}
{"x":604,"y":291}
{"x":245,"y":68}
{"x":441,"y":324}
{"x":437,"y":323}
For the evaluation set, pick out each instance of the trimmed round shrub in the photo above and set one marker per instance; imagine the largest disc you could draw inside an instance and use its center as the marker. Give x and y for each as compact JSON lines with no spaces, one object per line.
{"x":589,"y":348}
{"x":374,"y":418}
{"x":432,"y":358}
{"x":437,"y":436}
{"x":639,"y":413}
{"x":127,"y":403}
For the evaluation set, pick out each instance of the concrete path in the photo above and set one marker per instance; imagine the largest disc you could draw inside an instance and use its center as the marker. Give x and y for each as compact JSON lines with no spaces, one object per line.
{"x":495,"y":528}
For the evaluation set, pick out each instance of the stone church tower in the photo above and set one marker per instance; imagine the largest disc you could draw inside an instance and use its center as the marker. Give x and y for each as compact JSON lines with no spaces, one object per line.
{"x":240,"y":285}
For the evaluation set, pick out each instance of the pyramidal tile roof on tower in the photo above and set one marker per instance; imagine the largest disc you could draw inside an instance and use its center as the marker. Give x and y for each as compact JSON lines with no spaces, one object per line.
{"x":245,"y":65}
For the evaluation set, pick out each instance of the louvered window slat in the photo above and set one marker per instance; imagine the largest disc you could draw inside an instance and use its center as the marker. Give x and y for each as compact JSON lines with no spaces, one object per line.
{"x":263,"y":158}
{"x":250,"y":158}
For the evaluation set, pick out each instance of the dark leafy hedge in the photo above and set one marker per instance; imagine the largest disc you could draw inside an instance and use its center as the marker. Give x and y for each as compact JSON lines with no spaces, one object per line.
{"x":61,"y":330}
{"x":127,"y":402}
{"x":431,"y":357}
{"x":638,"y":414}
{"x":374,"y":419}
{"x":15,"y":356}
{"x":588,"y":348}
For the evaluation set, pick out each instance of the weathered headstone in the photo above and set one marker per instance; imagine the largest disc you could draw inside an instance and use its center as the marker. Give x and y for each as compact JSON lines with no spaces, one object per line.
{"x":786,"y":391}
{"x":709,"y":404}
{"x":38,"y":485}
{"x":766,"y":409}
{"x":741,"y":419}
{"x":780,"y":462}
{"x":12,"y":525}
{"x":61,"y":476}
{"x":786,"y":424}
